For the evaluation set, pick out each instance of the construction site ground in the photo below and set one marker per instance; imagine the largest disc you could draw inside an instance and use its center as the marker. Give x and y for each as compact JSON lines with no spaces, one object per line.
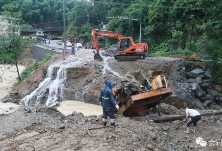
{"x":39,"y":128}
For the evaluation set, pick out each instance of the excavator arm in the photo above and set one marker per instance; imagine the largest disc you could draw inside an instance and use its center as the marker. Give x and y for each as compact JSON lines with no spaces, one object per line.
{"x":127,"y":49}
{"x":105,"y":34}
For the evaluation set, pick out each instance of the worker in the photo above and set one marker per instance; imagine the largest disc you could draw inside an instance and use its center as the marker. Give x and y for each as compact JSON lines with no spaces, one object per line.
{"x":87,"y":45}
{"x":108,"y":103}
{"x":193,"y":116}
{"x":73,"y":49}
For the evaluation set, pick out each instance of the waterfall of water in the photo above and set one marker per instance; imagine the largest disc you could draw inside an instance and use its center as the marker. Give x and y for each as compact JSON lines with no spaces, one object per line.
{"x":30,"y":99}
{"x":54,"y":87}
{"x":107,"y":67}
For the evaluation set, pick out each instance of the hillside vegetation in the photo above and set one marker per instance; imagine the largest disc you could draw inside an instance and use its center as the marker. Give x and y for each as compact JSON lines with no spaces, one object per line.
{"x":167,"y":25}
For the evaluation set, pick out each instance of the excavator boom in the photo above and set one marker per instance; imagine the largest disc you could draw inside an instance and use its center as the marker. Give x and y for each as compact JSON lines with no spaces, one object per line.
{"x":127,"y":49}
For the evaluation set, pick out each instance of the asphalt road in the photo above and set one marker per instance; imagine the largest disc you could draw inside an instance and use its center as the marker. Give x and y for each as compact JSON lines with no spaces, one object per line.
{"x":53,"y":44}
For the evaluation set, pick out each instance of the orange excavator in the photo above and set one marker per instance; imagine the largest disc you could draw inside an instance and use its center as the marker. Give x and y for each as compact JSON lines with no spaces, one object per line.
{"x":127,"y":49}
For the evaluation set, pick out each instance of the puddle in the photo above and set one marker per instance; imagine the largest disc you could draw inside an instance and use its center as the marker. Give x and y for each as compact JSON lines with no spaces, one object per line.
{"x":67,"y":107}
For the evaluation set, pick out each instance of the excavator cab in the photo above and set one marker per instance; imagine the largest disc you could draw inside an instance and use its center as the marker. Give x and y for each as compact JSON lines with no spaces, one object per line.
{"x":124,"y":44}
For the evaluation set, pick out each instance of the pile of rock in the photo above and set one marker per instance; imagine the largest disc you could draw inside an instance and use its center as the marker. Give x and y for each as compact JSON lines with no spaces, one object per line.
{"x":198,"y":85}
{"x":201,"y":82}
{"x":12,"y":97}
{"x":112,"y":51}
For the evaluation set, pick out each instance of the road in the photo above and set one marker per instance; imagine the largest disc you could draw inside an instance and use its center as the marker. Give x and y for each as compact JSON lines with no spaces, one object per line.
{"x":53,"y":44}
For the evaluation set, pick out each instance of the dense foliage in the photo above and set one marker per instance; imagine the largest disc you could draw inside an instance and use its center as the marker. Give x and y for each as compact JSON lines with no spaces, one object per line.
{"x":167,"y":25}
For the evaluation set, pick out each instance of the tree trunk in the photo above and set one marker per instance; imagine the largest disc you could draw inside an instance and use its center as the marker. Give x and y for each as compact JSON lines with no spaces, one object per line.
{"x":16,"y":63}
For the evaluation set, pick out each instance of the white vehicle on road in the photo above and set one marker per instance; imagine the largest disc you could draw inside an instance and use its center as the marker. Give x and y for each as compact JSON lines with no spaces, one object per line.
{"x":78,"y":45}
{"x":68,"y":44}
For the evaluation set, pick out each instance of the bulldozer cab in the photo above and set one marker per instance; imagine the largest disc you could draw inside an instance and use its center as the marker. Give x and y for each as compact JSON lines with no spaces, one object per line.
{"x":125,"y":43}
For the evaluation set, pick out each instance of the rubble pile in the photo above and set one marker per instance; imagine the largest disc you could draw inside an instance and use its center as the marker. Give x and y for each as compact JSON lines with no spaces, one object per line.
{"x":111,"y":51}
{"x":40,"y":128}
{"x":197,"y":86}
{"x":12,"y":97}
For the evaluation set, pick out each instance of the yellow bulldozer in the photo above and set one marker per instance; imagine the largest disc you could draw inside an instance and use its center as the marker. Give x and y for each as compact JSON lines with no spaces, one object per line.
{"x":138,"y":94}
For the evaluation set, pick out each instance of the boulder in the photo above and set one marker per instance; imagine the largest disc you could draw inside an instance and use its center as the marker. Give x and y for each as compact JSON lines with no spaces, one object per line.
{"x":205,"y":85}
{"x":199,"y":104}
{"x":207,"y":75}
{"x":197,"y":72}
{"x":199,"y":92}
{"x":210,"y":97}
{"x":191,"y":80}
{"x":191,"y":75}
{"x":181,"y":74}
{"x":213,"y":92}
{"x":219,"y":98}
{"x":205,"y":103}
{"x":199,"y":79}
{"x":194,"y":86}
{"x":215,"y":106}
{"x":203,"y":98}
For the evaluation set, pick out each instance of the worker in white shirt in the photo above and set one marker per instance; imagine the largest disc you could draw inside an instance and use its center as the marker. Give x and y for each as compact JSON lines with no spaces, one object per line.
{"x":193,"y":116}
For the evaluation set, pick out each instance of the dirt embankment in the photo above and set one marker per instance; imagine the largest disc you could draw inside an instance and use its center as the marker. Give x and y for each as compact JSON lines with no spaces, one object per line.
{"x":84,"y":83}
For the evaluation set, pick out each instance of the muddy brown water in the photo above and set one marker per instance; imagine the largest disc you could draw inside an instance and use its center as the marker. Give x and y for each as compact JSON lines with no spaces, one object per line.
{"x":8,"y":77}
{"x":87,"y":109}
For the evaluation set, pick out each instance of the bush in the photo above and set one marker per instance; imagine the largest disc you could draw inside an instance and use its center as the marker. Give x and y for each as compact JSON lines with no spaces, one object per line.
{"x":28,"y":71}
{"x":162,"y":50}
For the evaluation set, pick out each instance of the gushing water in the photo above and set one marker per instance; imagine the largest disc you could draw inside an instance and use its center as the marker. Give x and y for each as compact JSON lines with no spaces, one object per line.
{"x":54,"y":87}
{"x":107,"y":68}
{"x":30,"y":99}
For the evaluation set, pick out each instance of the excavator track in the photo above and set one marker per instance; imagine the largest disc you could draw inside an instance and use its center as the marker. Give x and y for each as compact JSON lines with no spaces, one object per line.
{"x":129,"y":57}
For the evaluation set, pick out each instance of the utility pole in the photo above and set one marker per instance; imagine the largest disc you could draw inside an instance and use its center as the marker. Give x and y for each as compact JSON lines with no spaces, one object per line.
{"x":126,"y":18}
{"x":64,"y":30}
{"x":140,"y":33}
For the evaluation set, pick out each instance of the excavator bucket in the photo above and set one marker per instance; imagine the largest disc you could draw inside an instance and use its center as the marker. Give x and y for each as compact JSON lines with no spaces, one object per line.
{"x":97,"y":56}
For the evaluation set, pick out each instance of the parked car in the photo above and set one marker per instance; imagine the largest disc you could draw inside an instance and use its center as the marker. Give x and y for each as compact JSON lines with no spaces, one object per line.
{"x":68,"y":44}
{"x":78,"y":45}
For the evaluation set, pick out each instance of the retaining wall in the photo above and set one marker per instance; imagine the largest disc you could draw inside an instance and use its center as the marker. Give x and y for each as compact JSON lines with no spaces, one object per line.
{"x":40,"y":52}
